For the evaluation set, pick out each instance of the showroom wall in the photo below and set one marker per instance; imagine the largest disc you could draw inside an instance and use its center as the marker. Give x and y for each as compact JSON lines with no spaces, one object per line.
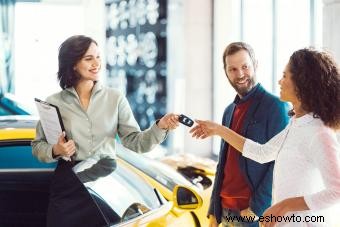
{"x":190,"y":48}
{"x":331,"y":31}
{"x":175,"y":75}
{"x":195,"y":40}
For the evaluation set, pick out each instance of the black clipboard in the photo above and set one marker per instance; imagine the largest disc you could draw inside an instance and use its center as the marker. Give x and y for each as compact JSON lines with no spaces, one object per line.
{"x":47,"y":110}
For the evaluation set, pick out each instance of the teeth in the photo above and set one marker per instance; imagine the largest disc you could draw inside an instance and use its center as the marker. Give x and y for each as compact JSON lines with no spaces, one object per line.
{"x":242,"y":81}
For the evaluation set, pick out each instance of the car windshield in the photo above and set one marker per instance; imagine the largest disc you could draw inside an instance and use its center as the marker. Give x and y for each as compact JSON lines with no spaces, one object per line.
{"x":160,"y":172}
{"x":121,"y":188}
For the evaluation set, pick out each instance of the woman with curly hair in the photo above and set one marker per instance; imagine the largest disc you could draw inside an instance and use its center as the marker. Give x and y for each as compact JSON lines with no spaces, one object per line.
{"x":306,"y":153}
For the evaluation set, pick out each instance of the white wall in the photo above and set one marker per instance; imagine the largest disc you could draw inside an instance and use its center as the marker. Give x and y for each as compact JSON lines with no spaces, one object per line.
{"x":226,"y":30}
{"x":331,"y":37}
{"x":36,"y":46}
{"x":331,"y":31}
{"x":37,"y":41}
{"x":190,"y":68}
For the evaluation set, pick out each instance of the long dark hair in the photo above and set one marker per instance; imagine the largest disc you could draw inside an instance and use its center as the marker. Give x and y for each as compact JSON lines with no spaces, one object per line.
{"x":70,"y":52}
{"x":317,"y":80}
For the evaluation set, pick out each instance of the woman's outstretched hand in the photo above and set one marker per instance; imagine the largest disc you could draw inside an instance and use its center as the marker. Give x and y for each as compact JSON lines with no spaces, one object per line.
{"x":169,"y":121}
{"x":204,"y":129}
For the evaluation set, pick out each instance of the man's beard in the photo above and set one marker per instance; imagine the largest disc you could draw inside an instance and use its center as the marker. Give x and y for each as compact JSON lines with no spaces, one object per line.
{"x":243,"y":90}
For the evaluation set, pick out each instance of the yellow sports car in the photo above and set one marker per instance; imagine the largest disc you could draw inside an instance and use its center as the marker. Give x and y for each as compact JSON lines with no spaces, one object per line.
{"x":165,"y":177}
{"x":138,"y":192}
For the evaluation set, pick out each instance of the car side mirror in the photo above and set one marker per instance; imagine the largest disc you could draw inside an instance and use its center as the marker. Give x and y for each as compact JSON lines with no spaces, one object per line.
{"x":185,"y":198}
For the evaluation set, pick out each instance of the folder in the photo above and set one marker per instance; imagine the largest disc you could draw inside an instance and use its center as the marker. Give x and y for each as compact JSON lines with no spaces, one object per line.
{"x":51,"y":121}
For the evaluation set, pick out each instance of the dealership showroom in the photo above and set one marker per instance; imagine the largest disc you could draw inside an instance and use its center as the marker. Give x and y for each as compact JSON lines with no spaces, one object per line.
{"x":117,"y":113}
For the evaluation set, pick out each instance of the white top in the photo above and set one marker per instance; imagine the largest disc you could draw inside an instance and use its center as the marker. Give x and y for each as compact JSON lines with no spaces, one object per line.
{"x":307,"y":164}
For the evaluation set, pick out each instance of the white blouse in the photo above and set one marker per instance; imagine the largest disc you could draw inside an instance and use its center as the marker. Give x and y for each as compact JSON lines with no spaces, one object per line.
{"x":307,"y":164}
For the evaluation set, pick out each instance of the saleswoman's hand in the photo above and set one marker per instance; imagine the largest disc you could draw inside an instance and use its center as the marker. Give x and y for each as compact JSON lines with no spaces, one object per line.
{"x":63,"y":148}
{"x":168,"y":121}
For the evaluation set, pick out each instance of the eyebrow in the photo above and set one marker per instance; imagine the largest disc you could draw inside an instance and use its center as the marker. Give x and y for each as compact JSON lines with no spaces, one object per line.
{"x":231,"y":66}
{"x":90,"y":55}
{"x":243,"y":64}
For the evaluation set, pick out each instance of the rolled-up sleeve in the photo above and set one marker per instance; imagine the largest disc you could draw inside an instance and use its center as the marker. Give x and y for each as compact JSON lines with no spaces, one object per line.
{"x":131,"y":135}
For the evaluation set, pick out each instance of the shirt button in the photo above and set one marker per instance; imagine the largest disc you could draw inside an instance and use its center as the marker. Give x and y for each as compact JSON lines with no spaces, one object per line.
{"x":87,"y":119}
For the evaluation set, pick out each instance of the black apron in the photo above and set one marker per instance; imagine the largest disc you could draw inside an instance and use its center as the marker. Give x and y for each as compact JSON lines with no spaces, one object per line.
{"x":70,"y":203}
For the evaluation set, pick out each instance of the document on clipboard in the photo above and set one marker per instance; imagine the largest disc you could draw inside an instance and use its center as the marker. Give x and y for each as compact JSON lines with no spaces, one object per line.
{"x":51,"y":121}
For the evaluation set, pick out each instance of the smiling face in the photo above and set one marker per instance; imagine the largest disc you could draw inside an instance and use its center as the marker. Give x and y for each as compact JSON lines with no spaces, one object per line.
{"x":240,"y":71}
{"x":89,"y":65}
{"x":287,"y":87}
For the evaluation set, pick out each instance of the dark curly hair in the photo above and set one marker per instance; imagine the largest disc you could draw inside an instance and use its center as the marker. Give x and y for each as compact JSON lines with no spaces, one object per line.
{"x":317,"y":83}
{"x":70,"y":52}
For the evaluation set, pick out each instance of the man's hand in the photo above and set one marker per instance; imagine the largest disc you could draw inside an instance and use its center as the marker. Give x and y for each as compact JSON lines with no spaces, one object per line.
{"x":168,"y":121}
{"x":249,"y":214}
{"x":276,"y":210}
{"x":212,"y":221}
{"x":63,"y":148}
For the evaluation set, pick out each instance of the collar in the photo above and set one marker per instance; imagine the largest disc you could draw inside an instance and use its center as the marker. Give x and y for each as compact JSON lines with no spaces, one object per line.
{"x":68,"y":94}
{"x":248,"y":96}
{"x":301,"y":121}
{"x":97,"y":87}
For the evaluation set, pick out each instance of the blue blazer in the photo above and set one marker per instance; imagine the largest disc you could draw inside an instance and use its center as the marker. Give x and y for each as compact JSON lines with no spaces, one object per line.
{"x":266,"y":117}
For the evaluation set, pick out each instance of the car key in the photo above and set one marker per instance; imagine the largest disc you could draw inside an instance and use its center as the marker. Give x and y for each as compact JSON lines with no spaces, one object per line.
{"x":185,"y":120}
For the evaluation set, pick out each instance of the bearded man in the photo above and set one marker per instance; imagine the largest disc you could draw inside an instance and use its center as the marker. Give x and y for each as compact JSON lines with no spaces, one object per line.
{"x":243,"y":188}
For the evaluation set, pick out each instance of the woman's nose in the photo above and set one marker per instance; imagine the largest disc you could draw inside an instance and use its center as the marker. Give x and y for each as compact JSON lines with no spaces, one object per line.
{"x":96,"y":62}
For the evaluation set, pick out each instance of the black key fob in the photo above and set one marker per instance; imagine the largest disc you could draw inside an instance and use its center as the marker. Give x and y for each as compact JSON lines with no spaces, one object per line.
{"x":185,"y":120}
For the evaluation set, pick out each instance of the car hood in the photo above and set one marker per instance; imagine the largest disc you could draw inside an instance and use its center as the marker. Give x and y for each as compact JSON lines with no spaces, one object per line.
{"x":178,"y":161}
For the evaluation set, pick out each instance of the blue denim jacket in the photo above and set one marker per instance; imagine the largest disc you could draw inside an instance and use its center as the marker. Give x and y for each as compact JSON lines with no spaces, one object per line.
{"x":266,"y":117}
